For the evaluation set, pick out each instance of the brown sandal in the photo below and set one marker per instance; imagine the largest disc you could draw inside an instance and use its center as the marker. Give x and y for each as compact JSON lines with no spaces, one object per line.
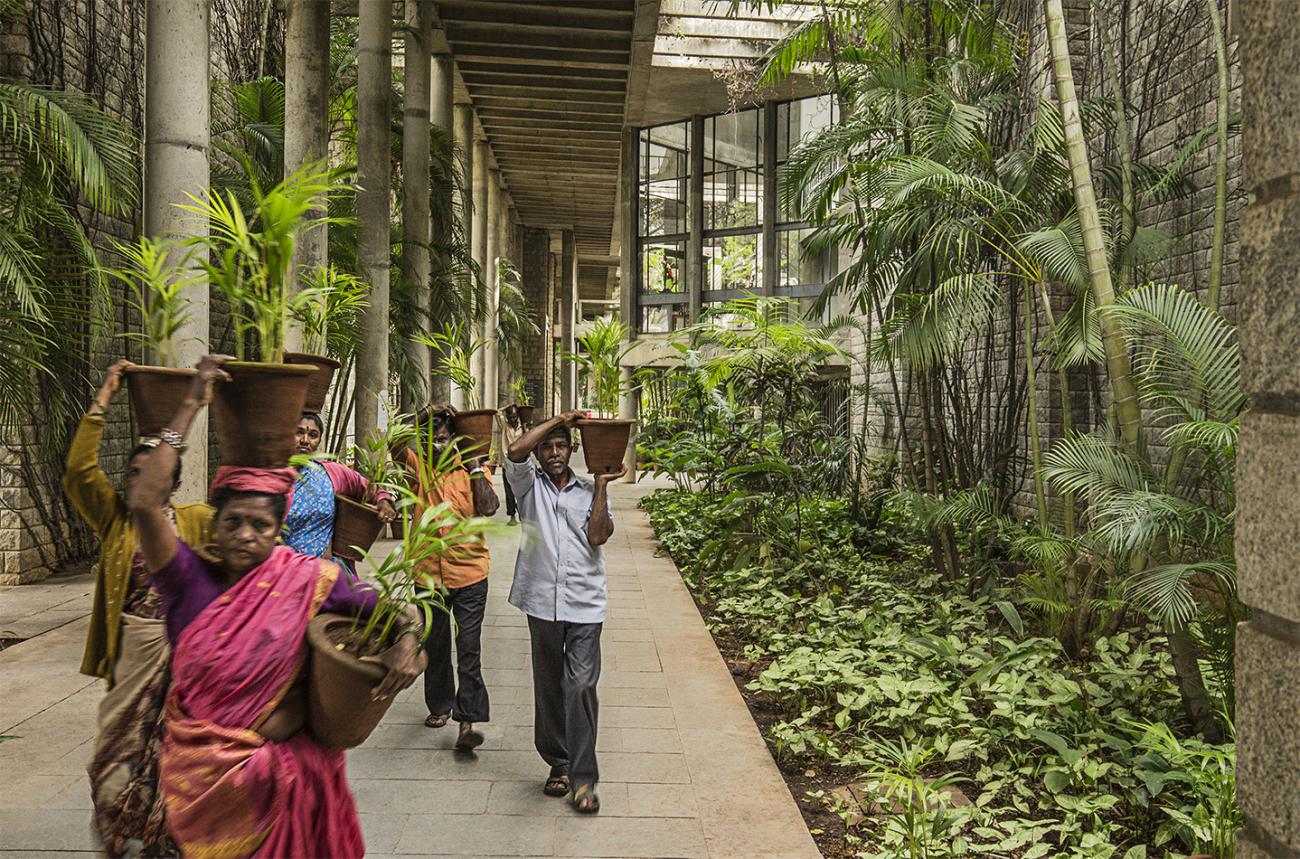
{"x":437,"y":721}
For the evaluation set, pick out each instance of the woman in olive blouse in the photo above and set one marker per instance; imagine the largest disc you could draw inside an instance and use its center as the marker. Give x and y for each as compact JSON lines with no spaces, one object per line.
{"x":127,"y":641}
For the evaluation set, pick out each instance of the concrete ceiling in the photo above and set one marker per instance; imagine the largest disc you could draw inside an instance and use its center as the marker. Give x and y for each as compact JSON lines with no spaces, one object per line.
{"x":548,"y":81}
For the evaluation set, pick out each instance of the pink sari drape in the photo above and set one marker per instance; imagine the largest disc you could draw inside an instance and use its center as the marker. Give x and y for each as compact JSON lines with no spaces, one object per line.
{"x":229,"y":791}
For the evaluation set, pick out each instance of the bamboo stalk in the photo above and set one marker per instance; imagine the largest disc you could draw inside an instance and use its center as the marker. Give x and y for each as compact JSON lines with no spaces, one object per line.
{"x":1035,"y":440}
{"x":1128,"y":412}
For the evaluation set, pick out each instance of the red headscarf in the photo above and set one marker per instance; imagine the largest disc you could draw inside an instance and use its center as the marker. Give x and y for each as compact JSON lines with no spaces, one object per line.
{"x":271,"y":481}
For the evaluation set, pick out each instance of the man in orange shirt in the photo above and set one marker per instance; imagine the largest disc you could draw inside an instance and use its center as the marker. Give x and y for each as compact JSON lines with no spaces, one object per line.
{"x":468,"y":487}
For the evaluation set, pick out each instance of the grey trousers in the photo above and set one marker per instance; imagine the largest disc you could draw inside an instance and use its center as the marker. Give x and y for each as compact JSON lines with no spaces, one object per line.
{"x":566,"y":666}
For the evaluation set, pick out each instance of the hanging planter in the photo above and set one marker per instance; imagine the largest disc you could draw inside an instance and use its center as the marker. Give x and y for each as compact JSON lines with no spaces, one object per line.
{"x":318,"y":385}
{"x":604,"y":443}
{"x":475,"y":425}
{"x":340,"y":711}
{"x":156,"y":393}
{"x":356,"y":528}
{"x":257,"y":412}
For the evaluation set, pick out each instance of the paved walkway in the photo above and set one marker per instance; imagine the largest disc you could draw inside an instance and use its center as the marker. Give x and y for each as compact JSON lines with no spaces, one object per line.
{"x":685,"y":772}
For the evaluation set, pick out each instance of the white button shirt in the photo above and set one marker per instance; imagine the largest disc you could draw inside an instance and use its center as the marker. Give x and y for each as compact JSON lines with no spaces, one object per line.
{"x":559,"y":576}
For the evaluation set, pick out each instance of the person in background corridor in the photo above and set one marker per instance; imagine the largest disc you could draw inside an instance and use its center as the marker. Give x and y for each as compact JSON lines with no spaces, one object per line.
{"x":464,"y":573}
{"x":127,"y":641}
{"x":560,"y":585}
{"x":512,"y":427}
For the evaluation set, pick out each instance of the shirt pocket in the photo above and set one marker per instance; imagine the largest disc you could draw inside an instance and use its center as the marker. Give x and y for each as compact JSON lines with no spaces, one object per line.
{"x":577,"y":519}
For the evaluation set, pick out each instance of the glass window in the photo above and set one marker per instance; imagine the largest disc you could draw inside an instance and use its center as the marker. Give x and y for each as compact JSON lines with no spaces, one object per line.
{"x":796,"y":121}
{"x":665,"y":175}
{"x":662,"y":318}
{"x":733,"y":170}
{"x":732,"y":262}
{"x":663,"y":265}
{"x":732,"y":214}
{"x":795,"y":265}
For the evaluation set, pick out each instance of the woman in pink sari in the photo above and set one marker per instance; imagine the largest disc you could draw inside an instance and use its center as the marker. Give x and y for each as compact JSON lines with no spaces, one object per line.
{"x":239,"y":775}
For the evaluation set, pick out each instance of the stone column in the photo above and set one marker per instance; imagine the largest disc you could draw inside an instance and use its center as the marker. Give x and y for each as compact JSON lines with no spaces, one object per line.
{"x":464,"y":137}
{"x":306,"y":123}
{"x":495,"y":250}
{"x":567,"y":289}
{"x":1268,"y":470}
{"x":415,"y":193}
{"x":479,"y":248}
{"x":628,"y":189}
{"x":695,"y":221}
{"x":176,"y":135}
{"x":441,"y":117}
{"x":629,"y":404}
{"x":374,"y":86}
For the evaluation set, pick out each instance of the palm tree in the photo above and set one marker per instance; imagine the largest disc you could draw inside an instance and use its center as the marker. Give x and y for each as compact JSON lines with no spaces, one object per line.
{"x":69,"y":162}
{"x":1169,"y":530}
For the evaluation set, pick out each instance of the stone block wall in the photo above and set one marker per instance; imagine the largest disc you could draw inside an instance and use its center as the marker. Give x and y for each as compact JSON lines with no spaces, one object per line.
{"x":1268,"y":469}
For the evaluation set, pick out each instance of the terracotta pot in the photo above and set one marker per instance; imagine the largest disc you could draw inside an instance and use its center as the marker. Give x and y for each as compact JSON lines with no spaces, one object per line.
{"x":525,"y":415}
{"x":340,"y":713}
{"x":318,"y":388}
{"x":156,"y":393}
{"x":476,"y":426}
{"x":257,"y":412}
{"x":604,"y":442}
{"x":355,"y":524}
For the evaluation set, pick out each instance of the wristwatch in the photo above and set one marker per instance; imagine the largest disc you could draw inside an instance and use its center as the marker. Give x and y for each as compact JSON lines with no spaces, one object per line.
{"x":478,"y":469}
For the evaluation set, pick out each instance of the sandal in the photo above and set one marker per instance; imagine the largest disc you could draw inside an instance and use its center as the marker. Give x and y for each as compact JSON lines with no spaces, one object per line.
{"x":469,"y":739}
{"x":584,"y":799}
{"x":557,"y":785}
{"x":437,"y":721}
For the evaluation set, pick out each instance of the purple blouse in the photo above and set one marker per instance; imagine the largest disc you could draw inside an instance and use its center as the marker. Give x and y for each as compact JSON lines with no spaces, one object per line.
{"x":188,"y":583}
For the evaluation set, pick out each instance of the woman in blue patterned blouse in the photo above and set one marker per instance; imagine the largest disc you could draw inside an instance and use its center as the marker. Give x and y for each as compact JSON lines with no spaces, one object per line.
{"x":309,"y":524}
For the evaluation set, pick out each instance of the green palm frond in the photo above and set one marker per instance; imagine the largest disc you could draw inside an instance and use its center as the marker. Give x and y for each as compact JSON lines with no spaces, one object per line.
{"x":1094,"y":465}
{"x":67,"y":137}
{"x":1185,"y":354}
{"x":925,"y":330}
{"x":1163,"y":590}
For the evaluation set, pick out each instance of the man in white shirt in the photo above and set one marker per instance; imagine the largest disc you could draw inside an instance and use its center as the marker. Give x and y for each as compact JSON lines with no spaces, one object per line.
{"x":560,"y":584}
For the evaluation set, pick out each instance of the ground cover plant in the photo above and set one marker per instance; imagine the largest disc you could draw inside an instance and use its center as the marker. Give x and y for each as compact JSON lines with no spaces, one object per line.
{"x":914,"y":691}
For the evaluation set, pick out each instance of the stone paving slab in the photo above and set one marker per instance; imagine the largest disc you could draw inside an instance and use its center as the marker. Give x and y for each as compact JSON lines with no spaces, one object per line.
{"x":684,"y":771}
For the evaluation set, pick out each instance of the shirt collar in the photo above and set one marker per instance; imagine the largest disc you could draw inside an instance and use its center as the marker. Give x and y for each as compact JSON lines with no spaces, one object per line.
{"x":574,"y":479}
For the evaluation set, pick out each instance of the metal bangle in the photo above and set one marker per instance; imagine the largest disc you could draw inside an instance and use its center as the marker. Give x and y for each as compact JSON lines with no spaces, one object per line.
{"x":173,"y":438}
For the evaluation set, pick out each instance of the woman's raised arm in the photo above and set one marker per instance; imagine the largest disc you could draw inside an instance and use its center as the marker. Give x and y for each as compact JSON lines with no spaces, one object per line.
{"x":149,"y":491}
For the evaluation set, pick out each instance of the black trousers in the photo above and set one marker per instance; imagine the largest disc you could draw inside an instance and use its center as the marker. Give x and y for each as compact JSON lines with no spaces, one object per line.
{"x":566,"y":667}
{"x":511,"y":507}
{"x":469,"y":703}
